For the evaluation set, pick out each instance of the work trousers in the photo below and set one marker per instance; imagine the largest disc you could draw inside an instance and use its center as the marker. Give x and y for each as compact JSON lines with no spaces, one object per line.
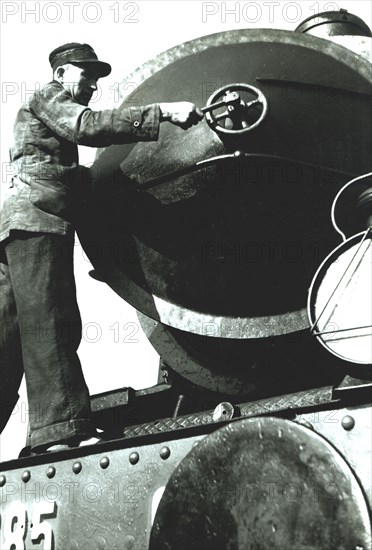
{"x":41,"y":332}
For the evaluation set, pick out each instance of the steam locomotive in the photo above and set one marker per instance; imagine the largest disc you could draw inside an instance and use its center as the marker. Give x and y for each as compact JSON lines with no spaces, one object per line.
{"x":245,"y":246}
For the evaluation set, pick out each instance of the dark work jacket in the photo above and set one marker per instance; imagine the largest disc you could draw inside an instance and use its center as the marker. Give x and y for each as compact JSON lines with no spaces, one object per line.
{"x":48,"y":129}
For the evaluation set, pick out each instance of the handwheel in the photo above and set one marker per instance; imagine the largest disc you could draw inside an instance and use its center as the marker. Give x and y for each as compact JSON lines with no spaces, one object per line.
{"x":232,"y":110}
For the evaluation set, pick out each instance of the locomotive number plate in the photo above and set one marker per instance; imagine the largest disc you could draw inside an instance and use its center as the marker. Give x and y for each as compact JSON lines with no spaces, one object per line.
{"x":21,"y":522}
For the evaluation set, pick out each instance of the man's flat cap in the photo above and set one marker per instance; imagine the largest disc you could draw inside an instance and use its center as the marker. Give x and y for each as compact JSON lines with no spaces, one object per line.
{"x":78,"y":54}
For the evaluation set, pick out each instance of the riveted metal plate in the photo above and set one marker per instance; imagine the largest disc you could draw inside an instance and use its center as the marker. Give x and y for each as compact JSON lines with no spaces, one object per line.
{"x":93,"y":508}
{"x":114,"y":507}
{"x":355,"y":443}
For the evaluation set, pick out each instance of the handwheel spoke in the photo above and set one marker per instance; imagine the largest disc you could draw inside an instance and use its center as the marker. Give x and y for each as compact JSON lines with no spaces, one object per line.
{"x":223,"y":115}
{"x":253,"y":102}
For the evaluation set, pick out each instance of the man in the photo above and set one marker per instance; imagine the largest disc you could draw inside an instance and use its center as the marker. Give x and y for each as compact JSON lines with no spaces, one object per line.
{"x":41,"y":320}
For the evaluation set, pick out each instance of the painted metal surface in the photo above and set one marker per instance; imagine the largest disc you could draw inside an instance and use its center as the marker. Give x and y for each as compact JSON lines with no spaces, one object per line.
{"x":247,"y":368}
{"x":233,"y":244}
{"x":106,"y":496}
{"x":259,"y":484}
{"x":207,"y":257}
{"x":101,"y":500}
{"x":348,"y":429}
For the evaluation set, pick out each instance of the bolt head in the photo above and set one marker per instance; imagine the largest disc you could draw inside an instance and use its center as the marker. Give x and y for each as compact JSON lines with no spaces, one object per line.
{"x":104,"y":462}
{"x":165,"y":453}
{"x":26,"y":476}
{"x":134,"y":457}
{"x":348,"y":422}
{"x":51,"y":472}
{"x":2,"y":481}
{"x":77,"y":467}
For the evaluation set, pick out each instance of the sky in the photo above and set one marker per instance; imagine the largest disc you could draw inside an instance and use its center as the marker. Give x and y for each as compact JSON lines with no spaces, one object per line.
{"x":125,"y":34}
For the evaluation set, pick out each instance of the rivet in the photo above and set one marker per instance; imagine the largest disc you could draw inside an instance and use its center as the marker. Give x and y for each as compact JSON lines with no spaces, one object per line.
{"x":134,"y":457}
{"x":51,"y":472}
{"x":165,"y":453}
{"x":26,"y":476}
{"x":2,"y":481}
{"x":76,"y":467}
{"x":104,"y":462}
{"x":348,"y":422}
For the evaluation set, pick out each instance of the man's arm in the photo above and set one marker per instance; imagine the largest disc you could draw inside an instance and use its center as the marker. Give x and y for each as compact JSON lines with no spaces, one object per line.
{"x":79,"y":124}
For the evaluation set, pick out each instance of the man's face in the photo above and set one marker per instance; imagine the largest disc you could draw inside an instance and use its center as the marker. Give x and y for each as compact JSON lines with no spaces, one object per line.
{"x":80,"y":81}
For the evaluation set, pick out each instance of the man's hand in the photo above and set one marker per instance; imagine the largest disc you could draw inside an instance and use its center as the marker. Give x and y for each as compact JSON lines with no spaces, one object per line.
{"x":181,"y":113}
